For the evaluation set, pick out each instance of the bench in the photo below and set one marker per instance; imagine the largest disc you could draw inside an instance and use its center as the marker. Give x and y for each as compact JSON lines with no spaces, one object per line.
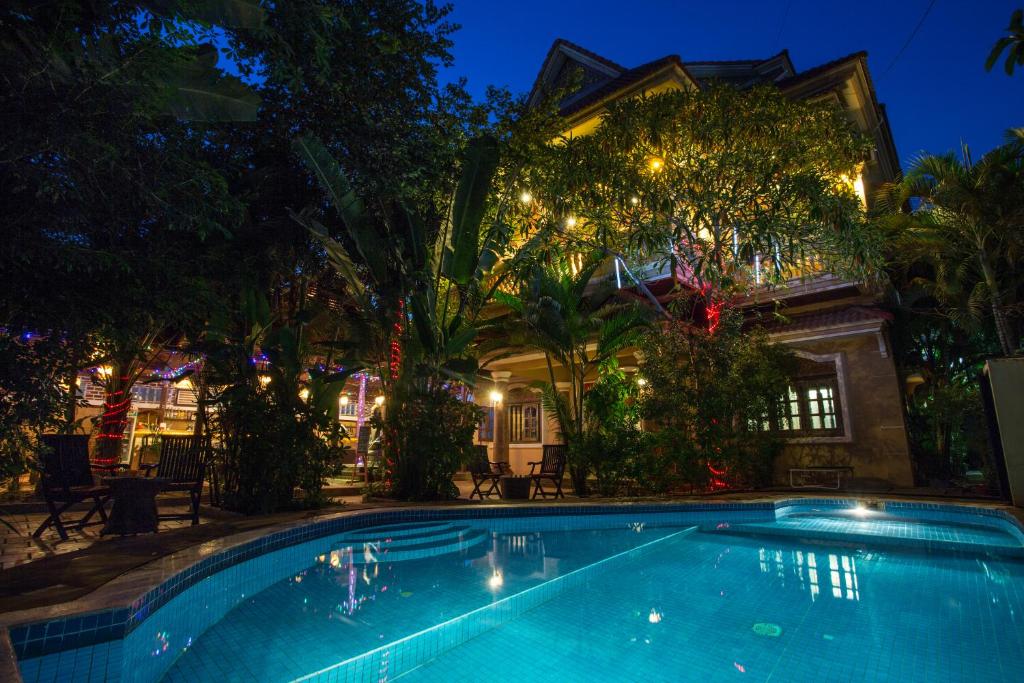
{"x":813,"y":473}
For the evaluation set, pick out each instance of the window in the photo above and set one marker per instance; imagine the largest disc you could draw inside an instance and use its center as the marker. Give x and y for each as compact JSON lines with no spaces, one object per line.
{"x":148,"y":393}
{"x":347,"y":409}
{"x":486,"y":430}
{"x":810,"y":407}
{"x":524,"y":422}
{"x":821,"y":405}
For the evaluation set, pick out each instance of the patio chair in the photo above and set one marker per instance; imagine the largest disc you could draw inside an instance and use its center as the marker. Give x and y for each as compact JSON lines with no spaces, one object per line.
{"x":483,"y":471}
{"x":552,"y":467}
{"x":66,"y":479}
{"x":183,"y":461}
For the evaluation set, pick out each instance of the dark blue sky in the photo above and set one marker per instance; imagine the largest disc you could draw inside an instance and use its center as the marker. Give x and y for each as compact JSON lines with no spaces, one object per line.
{"x":936,"y":93}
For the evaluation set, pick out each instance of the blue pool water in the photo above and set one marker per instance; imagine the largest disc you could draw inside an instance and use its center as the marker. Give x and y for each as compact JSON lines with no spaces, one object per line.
{"x":797,"y":594}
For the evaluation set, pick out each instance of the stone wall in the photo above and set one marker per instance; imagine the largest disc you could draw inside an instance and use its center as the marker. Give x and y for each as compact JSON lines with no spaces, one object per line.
{"x":876,"y":445}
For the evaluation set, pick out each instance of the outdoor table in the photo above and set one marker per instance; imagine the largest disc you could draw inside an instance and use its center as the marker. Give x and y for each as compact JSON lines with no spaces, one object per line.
{"x":514,"y":488}
{"x":134,"y":504}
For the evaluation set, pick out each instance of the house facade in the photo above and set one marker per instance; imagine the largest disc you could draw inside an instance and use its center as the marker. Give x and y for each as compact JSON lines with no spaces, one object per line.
{"x":844,"y":408}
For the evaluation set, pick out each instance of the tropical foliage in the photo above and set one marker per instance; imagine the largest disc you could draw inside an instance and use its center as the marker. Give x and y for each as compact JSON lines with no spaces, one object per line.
{"x":708,"y":397}
{"x":612,"y":445}
{"x":276,"y":417}
{"x":418,"y":286}
{"x":578,"y":327}
{"x":1012,"y":44}
{"x":963,"y":240}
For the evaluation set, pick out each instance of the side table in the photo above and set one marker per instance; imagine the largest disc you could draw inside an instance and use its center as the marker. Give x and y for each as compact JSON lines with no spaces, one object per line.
{"x":514,"y":488}
{"x":134,"y":504}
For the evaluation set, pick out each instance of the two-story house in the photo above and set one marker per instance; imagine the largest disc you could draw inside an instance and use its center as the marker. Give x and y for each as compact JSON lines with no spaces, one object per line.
{"x":844,"y":408}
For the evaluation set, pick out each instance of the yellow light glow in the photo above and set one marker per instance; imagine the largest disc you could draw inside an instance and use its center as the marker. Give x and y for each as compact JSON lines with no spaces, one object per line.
{"x":105,"y":370}
{"x":570,"y":222}
{"x":525,"y":197}
{"x":656,"y":163}
{"x":343,"y":400}
{"x":496,"y":396}
{"x":183,"y":383}
{"x":858,"y":187}
{"x":496,"y":581}
{"x":379,"y":400}
{"x":634,"y":200}
{"x":641,"y":382}
{"x":304,"y":394}
{"x":704,"y":234}
{"x":264,"y":380}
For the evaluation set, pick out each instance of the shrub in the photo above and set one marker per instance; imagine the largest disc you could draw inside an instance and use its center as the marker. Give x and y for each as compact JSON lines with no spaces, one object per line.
{"x":707,"y":394}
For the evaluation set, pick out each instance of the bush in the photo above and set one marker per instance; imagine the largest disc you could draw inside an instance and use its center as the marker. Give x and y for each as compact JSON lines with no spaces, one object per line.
{"x":268,"y":449}
{"x":428,"y":435}
{"x":35,"y":373}
{"x":707,"y":394}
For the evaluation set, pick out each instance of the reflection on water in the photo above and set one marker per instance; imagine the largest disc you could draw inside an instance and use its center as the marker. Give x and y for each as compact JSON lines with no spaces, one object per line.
{"x":837,"y":576}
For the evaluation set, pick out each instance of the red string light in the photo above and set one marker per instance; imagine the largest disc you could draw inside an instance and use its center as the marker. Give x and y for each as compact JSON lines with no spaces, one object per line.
{"x":396,"y":348}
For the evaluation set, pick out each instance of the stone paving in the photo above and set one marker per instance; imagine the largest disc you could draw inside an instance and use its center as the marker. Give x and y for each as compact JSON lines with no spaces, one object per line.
{"x":17,"y":546}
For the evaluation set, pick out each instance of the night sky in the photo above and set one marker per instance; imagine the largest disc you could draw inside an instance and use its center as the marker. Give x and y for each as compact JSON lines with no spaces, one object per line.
{"x":937,"y":92}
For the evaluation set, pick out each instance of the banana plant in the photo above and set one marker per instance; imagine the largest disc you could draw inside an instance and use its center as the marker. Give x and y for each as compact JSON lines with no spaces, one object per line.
{"x":423,"y":284}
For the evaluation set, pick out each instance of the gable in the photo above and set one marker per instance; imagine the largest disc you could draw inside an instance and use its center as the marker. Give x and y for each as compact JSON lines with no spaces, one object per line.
{"x":563,"y":62}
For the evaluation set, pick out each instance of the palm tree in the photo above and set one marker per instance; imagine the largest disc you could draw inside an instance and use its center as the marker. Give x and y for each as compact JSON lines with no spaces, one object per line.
{"x":967,"y":230}
{"x":577,"y":325}
{"x":1012,"y":43}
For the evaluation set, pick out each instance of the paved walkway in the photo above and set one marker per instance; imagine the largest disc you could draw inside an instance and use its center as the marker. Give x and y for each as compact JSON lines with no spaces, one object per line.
{"x":17,"y":546}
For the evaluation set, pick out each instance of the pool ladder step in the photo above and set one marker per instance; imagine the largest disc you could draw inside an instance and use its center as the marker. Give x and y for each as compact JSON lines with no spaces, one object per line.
{"x":382,"y":545}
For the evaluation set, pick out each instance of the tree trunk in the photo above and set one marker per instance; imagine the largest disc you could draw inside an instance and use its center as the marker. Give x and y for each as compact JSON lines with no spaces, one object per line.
{"x":1003,"y":331}
{"x":117,"y":401}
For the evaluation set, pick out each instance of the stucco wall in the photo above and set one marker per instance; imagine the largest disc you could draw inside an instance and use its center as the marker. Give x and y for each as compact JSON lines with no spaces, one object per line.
{"x":878,"y":444}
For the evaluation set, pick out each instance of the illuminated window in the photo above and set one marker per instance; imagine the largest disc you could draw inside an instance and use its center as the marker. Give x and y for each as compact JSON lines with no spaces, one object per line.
{"x":524,"y":422}
{"x":810,"y":407}
{"x":821,"y":406}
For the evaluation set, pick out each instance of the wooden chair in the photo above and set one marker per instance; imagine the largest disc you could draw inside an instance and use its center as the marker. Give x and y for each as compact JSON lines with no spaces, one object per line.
{"x":552,"y":467}
{"x":483,"y":471}
{"x":183,"y":461}
{"x":66,"y":479}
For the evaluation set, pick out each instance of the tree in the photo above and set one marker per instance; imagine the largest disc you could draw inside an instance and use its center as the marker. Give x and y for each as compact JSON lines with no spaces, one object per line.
{"x":1013,"y":44}
{"x":709,"y":181}
{"x":108,"y":176}
{"x":941,"y":363}
{"x":577,"y":326}
{"x":966,"y":233}
{"x":416,"y":287}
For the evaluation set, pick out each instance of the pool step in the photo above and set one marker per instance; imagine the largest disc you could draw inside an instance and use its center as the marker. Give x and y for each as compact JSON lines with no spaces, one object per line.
{"x":790,"y":529}
{"x":382,"y":545}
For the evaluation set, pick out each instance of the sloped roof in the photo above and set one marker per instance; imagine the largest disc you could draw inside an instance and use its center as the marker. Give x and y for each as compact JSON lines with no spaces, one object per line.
{"x":820,"y":69}
{"x":626,"y":79}
{"x":826,"y":319}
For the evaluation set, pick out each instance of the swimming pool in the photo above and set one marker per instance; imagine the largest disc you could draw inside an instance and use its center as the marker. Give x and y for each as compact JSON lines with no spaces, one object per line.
{"x":805,"y":590}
